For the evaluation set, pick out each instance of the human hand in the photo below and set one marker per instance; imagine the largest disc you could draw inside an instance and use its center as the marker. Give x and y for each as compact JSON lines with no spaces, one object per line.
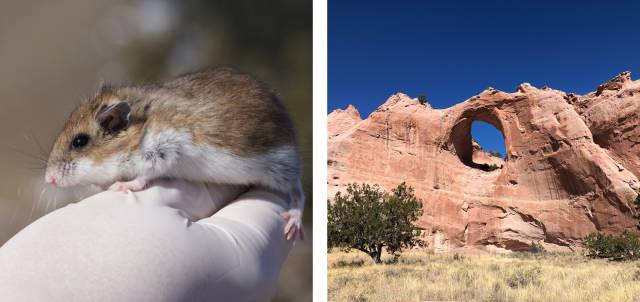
{"x":154,"y":245}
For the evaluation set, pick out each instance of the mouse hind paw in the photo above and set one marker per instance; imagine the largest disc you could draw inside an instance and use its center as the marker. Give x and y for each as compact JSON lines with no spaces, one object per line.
{"x":293,"y":224}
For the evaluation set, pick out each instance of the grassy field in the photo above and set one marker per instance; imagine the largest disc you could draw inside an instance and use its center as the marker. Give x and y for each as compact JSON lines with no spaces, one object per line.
{"x":424,"y":276}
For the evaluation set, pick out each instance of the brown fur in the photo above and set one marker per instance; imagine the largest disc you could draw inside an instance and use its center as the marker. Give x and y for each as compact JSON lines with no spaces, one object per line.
{"x":219,"y":107}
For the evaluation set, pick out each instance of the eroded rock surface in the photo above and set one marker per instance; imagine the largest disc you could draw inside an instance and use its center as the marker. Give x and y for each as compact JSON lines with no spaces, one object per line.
{"x":571,"y":167}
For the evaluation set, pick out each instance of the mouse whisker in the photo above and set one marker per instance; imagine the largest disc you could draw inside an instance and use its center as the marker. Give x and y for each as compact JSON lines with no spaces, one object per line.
{"x":55,"y":199}
{"x":39,"y":168}
{"x":48,"y":201}
{"x":29,"y":155}
{"x":13,"y":216}
{"x":40,"y":148}
{"x":37,"y":203}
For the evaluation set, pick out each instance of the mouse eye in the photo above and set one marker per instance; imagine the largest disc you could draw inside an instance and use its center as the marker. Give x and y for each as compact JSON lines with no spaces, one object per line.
{"x":80,"y":141}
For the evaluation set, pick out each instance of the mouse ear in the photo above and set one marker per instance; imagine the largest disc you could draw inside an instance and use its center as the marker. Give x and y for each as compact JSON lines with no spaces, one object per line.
{"x":114,"y":118}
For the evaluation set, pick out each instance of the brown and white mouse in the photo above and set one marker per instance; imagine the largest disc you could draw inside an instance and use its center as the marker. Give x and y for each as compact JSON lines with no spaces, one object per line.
{"x":215,"y":126}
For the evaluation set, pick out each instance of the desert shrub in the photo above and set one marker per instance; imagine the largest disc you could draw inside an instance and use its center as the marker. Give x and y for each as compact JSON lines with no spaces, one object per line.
{"x":536,"y":248}
{"x":524,"y":277}
{"x":635,"y":202}
{"x":497,"y":294}
{"x":360,"y":298}
{"x":465,"y":277}
{"x":495,"y":154}
{"x":625,"y":246}
{"x":412,"y":261}
{"x":368,"y":219}
{"x":422,"y":99}
{"x":489,"y":168}
{"x":345,"y":263}
{"x":395,"y":272}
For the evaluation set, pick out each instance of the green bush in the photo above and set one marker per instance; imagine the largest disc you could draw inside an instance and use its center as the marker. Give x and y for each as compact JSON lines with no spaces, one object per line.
{"x":489,"y":168}
{"x":625,"y":246}
{"x":422,"y":99}
{"x":352,"y":263}
{"x":524,"y":277}
{"x":458,"y":257}
{"x":495,"y":154}
{"x":635,"y":201}
{"x":536,"y":248}
{"x":368,"y":219}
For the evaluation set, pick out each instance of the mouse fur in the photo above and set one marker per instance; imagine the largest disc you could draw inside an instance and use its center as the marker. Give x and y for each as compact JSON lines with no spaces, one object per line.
{"x":216,"y":125}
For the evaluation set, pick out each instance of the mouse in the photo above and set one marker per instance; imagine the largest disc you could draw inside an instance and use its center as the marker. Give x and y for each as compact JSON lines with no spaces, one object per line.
{"x":216,"y":125}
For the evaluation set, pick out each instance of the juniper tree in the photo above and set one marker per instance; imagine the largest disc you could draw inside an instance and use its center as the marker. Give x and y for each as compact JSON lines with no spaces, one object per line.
{"x":625,"y":246}
{"x":369,"y":219}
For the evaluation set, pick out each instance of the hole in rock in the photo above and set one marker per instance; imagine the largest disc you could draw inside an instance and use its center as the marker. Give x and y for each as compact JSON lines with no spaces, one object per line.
{"x":479,"y":145}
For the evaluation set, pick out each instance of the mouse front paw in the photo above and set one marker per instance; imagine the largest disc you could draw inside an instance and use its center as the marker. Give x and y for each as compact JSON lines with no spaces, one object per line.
{"x":131,"y":186}
{"x":293,"y":224}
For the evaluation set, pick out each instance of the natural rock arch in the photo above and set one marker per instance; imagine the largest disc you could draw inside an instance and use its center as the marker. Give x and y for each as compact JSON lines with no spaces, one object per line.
{"x":571,"y":164}
{"x":461,"y":140}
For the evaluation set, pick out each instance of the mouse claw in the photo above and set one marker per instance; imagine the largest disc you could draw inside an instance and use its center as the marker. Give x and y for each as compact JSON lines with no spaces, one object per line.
{"x":293,"y":225}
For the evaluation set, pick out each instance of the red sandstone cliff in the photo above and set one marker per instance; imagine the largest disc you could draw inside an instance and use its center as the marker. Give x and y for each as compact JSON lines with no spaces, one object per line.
{"x":572,"y":163}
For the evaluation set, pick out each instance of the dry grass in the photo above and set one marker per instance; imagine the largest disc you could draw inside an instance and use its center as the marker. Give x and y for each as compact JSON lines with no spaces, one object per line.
{"x":424,"y":276}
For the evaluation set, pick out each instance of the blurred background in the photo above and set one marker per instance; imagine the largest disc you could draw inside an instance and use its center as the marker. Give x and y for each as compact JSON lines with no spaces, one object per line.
{"x":54,"y":54}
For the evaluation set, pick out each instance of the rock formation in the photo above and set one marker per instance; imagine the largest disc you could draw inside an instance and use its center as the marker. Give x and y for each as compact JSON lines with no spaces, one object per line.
{"x":571,"y":168}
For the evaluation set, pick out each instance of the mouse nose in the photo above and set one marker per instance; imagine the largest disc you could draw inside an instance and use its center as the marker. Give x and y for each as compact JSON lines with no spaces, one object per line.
{"x":51,"y":180}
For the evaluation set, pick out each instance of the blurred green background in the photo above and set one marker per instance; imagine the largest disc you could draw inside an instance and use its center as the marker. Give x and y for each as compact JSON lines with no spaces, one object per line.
{"x":56,"y":53}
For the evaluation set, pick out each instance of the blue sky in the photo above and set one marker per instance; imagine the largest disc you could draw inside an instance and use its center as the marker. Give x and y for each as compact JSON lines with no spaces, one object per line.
{"x":452,"y":50}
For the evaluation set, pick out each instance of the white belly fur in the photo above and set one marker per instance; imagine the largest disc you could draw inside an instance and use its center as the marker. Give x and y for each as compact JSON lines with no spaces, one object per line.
{"x":172,"y":153}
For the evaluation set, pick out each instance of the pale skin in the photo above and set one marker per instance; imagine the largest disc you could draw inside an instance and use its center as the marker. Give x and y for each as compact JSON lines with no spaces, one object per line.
{"x":291,"y":230}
